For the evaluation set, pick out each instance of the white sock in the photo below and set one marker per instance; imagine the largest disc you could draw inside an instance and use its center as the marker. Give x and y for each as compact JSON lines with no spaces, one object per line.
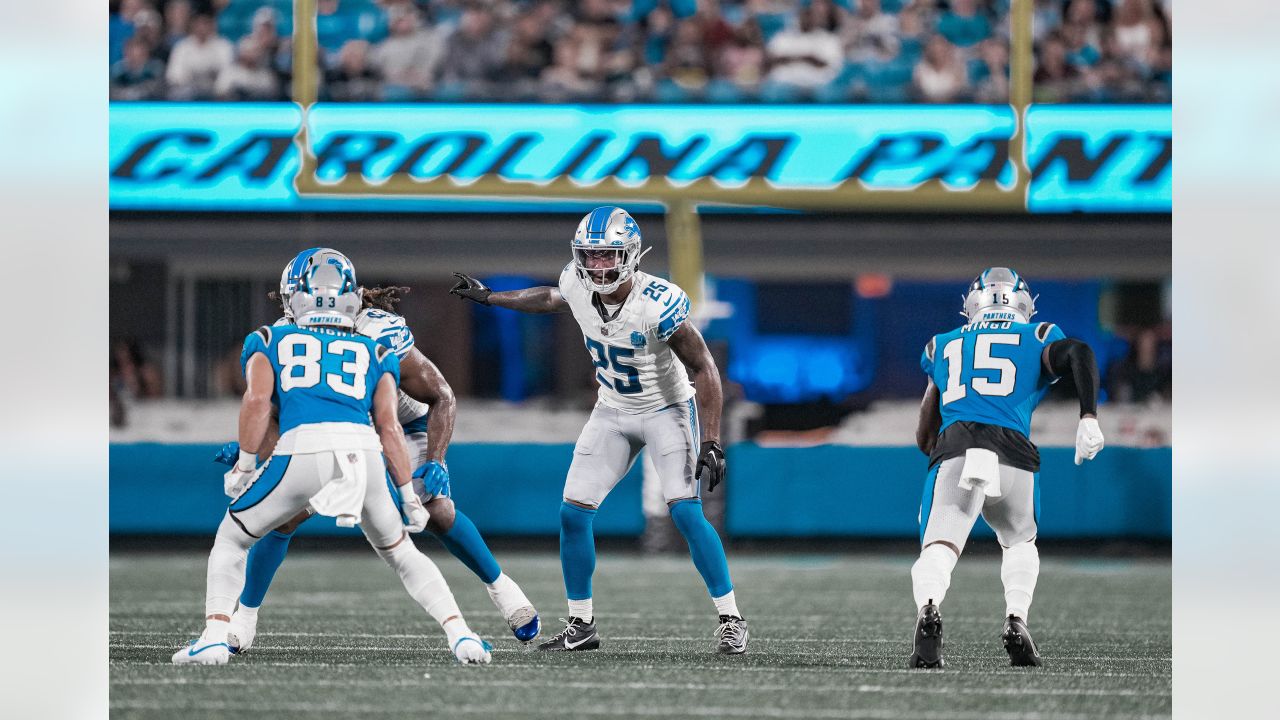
{"x":582,"y":609}
{"x":1018,"y":571}
{"x":931,"y":574}
{"x":423,"y":580}
{"x":727,"y":605}
{"x":455,"y":630}
{"x":215,"y":630}
{"x":248,"y":613}
{"x":507,"y":595}
{"x":225,"y":577}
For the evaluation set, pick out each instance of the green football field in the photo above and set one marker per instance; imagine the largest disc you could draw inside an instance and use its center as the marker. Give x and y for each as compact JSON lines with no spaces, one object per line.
{"x":339,"y":637}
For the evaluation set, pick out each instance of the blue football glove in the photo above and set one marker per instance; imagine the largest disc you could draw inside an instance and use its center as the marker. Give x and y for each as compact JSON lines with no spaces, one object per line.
{"x":228,"y":454}
{"x":431,"y":480}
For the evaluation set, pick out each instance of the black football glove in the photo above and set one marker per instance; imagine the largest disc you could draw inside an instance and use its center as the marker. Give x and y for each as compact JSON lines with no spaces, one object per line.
{"x":711,"y":458}
{"x":471,"y":289}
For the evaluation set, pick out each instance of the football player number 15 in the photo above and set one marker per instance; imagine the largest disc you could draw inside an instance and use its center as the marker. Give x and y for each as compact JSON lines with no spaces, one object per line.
{"x":1006,"y":371}
{"x":299,"y":357}
{"x":603,"y":358}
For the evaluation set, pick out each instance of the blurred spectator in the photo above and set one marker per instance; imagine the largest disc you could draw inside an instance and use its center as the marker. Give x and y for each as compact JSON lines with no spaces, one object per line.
{"x":962,"y":25}
{"x":177,"y":23}
{"x":939,"y":77}
{"x":132,"y":375}
{"x":808,"y":56}
{"x":474,"y":56}
{"x":197,"y":60}
{"x":1055,"y":78}
{"x":138,"y":76}
{"x":1147,"y":370}
{"x":407,"y":60}
{"x":248,"y":77}
{"x":338,"y":21}
{"x":989,"y":73}
{"x":353,"y":78}
{"x":740,"y":64}
{"x":678,"y":50}
{"x":562,"y":81}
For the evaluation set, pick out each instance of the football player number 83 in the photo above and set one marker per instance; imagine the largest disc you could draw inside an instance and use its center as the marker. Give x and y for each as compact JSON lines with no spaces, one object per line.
{"x":299,"y":357}
{"x":982,"y":360}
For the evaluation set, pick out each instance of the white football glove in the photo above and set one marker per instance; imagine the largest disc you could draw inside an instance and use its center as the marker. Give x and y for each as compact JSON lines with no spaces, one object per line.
{"x":1088,"y":439}
{"x":413,"y":510}
{"x":241,"y":475}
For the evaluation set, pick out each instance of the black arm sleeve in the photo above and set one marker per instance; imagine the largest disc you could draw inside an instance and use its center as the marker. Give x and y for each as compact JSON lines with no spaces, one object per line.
{"x":1074,"y":358}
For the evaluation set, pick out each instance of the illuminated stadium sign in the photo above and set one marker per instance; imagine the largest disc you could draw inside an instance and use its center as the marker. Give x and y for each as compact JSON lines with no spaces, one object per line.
{"x":470,"y":157}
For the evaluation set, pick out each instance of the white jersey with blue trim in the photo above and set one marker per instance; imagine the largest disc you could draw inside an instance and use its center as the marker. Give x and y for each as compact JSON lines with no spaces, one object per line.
{"x":392,"y":332}
{"x":636,"y":369}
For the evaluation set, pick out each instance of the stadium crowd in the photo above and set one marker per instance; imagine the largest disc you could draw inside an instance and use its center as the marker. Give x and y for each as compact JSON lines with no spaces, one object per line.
{"x":642,"y":50}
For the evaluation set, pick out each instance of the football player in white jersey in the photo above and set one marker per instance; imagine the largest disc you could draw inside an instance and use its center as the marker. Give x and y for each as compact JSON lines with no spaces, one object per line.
{"x":636,"y":331}
{"x":422,"y":389}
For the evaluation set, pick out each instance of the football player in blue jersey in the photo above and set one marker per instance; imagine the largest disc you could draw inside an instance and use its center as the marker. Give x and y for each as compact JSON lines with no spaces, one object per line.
{"x":426,"y":411}
{"x":985,"y":379}
{"x":335,"y":393}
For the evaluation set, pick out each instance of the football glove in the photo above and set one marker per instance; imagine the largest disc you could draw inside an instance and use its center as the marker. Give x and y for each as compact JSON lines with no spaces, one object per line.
{"x":415,"y":516}
{"x":711,"y":458}
{"x":241,"y":475}
{"x":1088,"y":439}
{"x":431,"y":480}
{"x":228,"y":454}
{"x":471,"y":289}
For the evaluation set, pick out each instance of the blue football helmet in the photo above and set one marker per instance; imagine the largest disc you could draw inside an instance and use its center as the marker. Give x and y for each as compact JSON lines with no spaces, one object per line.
{"x":608,"y":233}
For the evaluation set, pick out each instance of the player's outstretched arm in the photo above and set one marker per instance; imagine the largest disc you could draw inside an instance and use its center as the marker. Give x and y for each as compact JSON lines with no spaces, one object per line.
{"x":541,"y":299}
{"x":422,"y":380}
{"x":1073,"y":358}
{"x":930,"y":420}
{"x":688,"y":345}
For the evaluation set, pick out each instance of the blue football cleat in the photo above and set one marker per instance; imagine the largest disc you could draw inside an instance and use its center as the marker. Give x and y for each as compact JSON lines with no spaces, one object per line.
{"x":528,"y":631}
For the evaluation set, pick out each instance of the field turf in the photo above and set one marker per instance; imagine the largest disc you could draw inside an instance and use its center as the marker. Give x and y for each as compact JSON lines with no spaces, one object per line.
{"x":339,"y":637}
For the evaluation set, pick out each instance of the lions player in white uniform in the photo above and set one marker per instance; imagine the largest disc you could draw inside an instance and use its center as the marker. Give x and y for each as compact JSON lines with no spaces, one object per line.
{"x":329,"y":457}
{"x":638,"y":338}
{"x":427,"y":435}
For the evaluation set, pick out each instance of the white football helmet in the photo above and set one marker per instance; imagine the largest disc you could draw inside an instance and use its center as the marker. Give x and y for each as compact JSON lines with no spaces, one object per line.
{"x":607,"y":233}
{"x":319,"y":288}
{"x":999,"y":293}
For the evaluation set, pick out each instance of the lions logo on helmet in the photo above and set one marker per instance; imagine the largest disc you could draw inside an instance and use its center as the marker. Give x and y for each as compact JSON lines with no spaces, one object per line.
{"x":606,"y":249}
{"x":319,"y":288}
{"x":999,"y":293}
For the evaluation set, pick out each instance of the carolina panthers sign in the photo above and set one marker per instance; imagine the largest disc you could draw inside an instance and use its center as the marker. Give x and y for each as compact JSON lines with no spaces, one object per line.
{"x":460,"y":157}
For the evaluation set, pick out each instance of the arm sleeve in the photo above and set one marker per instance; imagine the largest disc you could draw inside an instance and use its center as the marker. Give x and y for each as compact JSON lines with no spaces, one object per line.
{"x":671,"y":317}
{"x":1073,"y":357}
{"x":256,"y":342}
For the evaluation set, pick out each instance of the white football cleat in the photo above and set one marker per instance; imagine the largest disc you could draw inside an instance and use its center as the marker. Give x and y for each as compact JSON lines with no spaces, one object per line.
{"x":203,"y":651}
{"x":471,"y":650}
{"x":243,"y":629}
{"x":516,"y":609}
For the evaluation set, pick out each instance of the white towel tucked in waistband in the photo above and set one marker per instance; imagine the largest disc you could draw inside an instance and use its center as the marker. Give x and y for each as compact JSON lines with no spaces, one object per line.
{"x":981,"y":470}
{"x":343,"y":496}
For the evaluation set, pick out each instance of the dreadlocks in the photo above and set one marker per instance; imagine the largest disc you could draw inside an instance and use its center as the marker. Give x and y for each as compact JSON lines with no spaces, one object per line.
{"x":384,"y":298}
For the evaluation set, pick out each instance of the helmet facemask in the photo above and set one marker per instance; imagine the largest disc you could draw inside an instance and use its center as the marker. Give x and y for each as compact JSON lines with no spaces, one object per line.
{"x":606,"y":249}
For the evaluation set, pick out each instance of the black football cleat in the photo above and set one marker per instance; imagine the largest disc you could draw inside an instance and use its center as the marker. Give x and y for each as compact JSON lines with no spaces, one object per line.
{"x":1018,"y":643}
{"x":927,"y":649}
{"x":731,"y":635}
{"x":578,"y":634}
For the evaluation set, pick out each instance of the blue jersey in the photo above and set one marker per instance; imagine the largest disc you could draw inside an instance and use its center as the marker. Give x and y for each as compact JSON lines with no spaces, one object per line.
{"x":321,"y":375}
{"x":991,"y":372}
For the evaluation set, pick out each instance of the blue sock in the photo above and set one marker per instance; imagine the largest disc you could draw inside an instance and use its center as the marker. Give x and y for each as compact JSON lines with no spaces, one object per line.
{"x":264,"y":559}
{"x":577,"y":550}
{"x":464,"y":541}
{"x":704,"y":546}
